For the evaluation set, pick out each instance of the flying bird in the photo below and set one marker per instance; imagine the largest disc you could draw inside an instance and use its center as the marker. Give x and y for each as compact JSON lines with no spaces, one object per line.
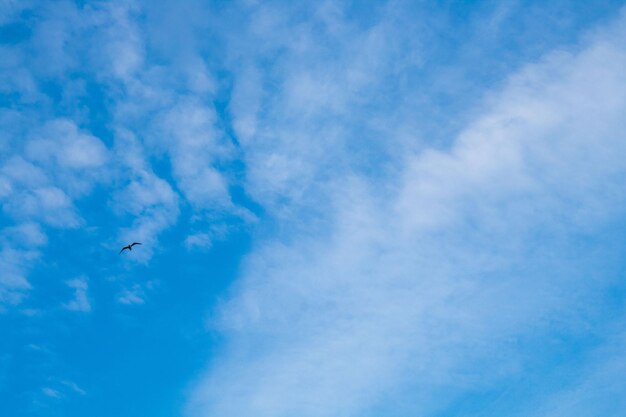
{"x":130,"y":247}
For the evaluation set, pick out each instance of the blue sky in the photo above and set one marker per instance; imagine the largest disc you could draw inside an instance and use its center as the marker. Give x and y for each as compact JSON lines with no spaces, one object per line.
{"x":373,"y":208}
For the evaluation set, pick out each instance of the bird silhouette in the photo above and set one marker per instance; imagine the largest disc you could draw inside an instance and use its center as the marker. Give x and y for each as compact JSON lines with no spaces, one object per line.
{"x":130,"y":247}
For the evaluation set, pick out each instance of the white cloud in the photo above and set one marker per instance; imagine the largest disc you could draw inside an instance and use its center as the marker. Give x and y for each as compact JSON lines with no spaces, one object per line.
{"x":199,"y":240}
{"x":432,"y":285}
{"x":187,"y":132}
{"x":591,"y":384}
{"x":13,"y":267}
{"x":50,"y":162}
{"x":18,"y":251}
{"x":51,"y":392}
{"x":162,"y":111}
{"x":211,"y":234}
{"x":319,"y":108}
{"x":17,"y":170}
{"x":28,"y":234}
{"x":75,"y":159}
{"x":114,"y":27}
{"x":153,"y":204}
{"x":61,"y":143}
{"x":134,"y":295}
{"x":60,"y":388}
{"x":81,"y":301}
{"x":600,"y":392}
{"x":74,"y":387}
{"x":40,"y":180}
{"x":48,"y":204}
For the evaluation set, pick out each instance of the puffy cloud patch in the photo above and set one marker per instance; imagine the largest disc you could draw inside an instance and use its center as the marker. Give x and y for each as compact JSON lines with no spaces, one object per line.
{"x":81,"y":301}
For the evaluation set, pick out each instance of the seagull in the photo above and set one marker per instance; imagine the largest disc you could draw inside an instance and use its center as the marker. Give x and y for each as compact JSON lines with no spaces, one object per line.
{"x":130,"y":247}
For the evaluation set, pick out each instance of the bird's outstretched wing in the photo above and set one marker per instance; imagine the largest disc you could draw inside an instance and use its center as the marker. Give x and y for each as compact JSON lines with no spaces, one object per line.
{"x":135,"y":243}
{"x":124,"y":248}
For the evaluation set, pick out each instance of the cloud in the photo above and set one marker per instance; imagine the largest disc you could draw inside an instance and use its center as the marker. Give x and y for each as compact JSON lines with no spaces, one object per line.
{"x":134,"y":295}
{"x":199,"y":240}
{"x":81,"y":301}
{"x":163,"y":111}
{"x":40,"y":180}
{"x":14,"y":264}
{"x":29,"y":195}
{"x":314,"y":84}
{"x":206,"y":239}
{"x":411,"y":292}
{"x":51,"y":160}
{"x":401,"y":258}
{"x":19,"y":250}
{"x":188,"y":133}
{"x":598,"y":391}
{"x":154,"y":207}
{"x":74,"y":387}
{"x":50,"y":392}
{"x":27,"y":234}
{"x":589,"y":384}
{"x":61,"y":388}
{"x":60,"y":144}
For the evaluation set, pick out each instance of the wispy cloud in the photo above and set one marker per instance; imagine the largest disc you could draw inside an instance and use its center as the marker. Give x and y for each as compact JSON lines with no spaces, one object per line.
{"x":73,"y":387}
{"x":199,"y":240}
{"x":60,"y":389}
{"x":418,"y":286}
{"x":20,"y":245}
{"x":134,"y":295}
{"x":50,"y":392}
{"x":13,"y":283}
{"x":597,"y":390}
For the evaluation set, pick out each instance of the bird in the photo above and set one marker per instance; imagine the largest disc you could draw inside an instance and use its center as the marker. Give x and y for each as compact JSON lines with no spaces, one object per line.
{"x":130,"y":247}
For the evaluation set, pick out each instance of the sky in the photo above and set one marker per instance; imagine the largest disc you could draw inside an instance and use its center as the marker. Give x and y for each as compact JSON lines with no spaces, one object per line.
{"x":346,"y":208}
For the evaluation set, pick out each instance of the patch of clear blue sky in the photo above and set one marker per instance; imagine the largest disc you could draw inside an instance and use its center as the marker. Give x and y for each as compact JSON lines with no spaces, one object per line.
{"x":138,"y":360}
